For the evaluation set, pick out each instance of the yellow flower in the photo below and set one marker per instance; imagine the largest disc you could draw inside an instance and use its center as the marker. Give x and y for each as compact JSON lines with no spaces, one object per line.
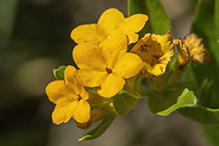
{"x":110,"y":20}
{"x":183,"y":56}
{"x":155,"y":51}
{"x":191,"y":49}
{"x":197,"y":52}
{"x":107,"y":64}
{"x":70,"y":98}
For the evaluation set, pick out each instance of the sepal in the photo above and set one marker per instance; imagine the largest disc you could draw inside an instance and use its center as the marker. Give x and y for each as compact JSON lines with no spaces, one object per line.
{"x":59,"y":73}
{"x":107,"y":121}
{"x":124,"y":101}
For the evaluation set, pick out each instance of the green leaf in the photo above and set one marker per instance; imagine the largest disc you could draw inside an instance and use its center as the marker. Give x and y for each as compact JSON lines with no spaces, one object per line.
{"x":124,"y":101}
{"x":166,"y":102}
{"x":158,"y":21}
{"x":107,"y":121}
{"x":59,"y":73}
{"x":201,"y":114}
{"x":93,"y":90}
{"x":186,"y":99}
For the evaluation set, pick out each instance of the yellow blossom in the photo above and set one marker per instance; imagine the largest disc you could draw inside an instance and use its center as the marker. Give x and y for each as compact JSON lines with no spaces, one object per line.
{"x":110,"y":20}
{"x":70,"y":98}
{"x":156,"y":52}
{"x":107,"y":64}
{"x":183,"y":56}
{"x":191,"y":49}
{"x":197,"y":52}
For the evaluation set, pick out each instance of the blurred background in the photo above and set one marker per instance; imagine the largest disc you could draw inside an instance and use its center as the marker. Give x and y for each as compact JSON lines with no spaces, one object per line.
{"x":34,"y":39}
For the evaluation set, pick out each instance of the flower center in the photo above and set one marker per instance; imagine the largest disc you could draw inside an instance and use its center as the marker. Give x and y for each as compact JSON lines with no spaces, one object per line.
{"x":79,"y":98}
{"x":156,"y":59}
{"x":109,"y":71}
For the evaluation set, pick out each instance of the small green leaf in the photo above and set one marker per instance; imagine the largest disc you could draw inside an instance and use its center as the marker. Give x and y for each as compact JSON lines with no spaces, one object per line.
{"x":166,"y":102}
{"x":59,"y":73}
{"x":124,"y":101}
{"x":107,"y":121}
{"x":186,"y":99}
{"x":201,"y":114}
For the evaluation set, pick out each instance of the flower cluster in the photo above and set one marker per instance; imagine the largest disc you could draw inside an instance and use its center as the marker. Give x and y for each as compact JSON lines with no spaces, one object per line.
{"x":104,"y":65}
{"x":103,"y":61}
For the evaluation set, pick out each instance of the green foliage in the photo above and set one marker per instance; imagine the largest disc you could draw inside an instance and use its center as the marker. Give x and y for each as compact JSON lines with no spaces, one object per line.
{"x":205,"y":25}
{"x":205,"y":79}
{"x":59,"y":73}
{"x":158,"y":21}
{"x":107,"y":121}
{"x":168,"y":101}
{"x":201,"y":114}
{"x":124,"y":101}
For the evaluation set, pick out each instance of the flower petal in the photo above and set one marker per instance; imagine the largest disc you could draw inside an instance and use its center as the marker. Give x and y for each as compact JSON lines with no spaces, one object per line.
{"x":192,"y":41}
{"x":183,"y":56}
{"x":88,"y":55}
{"x":91,"y":39}
{"x":110,"y":20}
{"x":79,"y":33}
{"x":84,"y":94}
{"x":132,"y":37}
{"x":70,"y":80}
{"x":113,"y":47}
{"x":58,"y":92}
{"x":144,"y":48}
{"x":82,"y":112}
{"x":165,"y":41}
{"x":200,"y":55}
{"x":63,"y":112}
{"x":197,"y":51}
{"x":90,"y":78}
{"x":111,"y":86}
{"x":153,"y":45}
{"x":156,"y":70}
{"x":133,"y":24}
{"x":128,"y":65}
